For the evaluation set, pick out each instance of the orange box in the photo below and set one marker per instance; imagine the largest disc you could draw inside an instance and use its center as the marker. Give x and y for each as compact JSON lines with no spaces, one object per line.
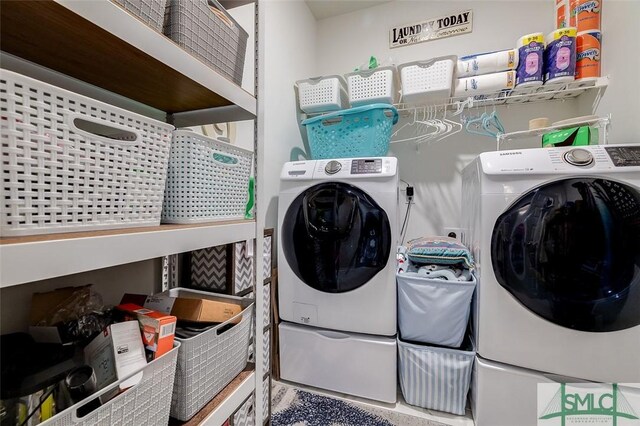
{"x":588,"y":55}
{"x":587,"y":15}
{"x":157,"y":329}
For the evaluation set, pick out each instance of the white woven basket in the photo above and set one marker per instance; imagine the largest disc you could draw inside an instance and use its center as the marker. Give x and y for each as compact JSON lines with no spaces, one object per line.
{"x":427,"y":81}
{"x":207,"y":179}
{"x":379,"y":85}
{"x":322,"y":94}
{"x":71,"y":163}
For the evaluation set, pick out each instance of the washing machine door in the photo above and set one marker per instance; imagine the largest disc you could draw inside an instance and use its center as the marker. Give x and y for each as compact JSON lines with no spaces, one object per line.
{"x":569,"y":251}
{"x":335,"y":237}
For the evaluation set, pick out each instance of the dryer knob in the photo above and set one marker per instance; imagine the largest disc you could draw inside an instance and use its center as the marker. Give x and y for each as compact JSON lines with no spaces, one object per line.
{"x":332,"y":167}
{"x":578,"y":157}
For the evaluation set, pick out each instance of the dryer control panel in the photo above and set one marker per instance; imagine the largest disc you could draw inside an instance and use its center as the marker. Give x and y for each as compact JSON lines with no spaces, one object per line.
{"x":593,"y":158}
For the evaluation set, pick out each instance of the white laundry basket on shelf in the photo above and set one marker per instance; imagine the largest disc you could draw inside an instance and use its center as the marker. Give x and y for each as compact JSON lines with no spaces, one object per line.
{"x":322,"y":94}
{"x":146,"y":403}
{"x":71,"y":163}
{"x":379,"y":85}
{"x":434,"y":377}
{"x":428,"y":81}
{"x":210,"y":360}
{"x":151,"y":12}
{"x":433,"y":311}
{"x":206,"y":180}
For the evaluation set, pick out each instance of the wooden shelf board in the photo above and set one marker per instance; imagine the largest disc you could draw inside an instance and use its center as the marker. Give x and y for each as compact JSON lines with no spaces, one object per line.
{"x":121,"y":59}
{"x":38,"y":257}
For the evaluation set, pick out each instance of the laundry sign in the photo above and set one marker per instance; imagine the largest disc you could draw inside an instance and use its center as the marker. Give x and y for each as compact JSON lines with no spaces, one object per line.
{"x":431,"y":29}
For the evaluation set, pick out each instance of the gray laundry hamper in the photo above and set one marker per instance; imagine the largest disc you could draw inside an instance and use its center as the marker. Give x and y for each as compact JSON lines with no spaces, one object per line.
{"x":433,"y":311}
{"x":436,"y":378}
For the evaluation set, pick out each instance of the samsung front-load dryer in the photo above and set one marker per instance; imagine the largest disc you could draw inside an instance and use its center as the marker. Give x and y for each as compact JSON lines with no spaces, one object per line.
{"x":556,"y":236}
{"x":338,"y":229}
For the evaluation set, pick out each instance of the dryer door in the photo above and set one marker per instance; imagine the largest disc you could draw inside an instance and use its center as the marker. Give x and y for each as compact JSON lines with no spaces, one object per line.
{"x":570,"y":252}
{"x":335,"y":237}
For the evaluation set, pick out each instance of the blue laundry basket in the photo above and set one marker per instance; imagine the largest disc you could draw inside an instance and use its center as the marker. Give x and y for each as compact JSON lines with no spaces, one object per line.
{"x":357,"y":132}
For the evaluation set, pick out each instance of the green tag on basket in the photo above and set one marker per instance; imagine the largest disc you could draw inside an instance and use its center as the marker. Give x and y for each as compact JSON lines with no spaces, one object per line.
{"x":224,"y":158}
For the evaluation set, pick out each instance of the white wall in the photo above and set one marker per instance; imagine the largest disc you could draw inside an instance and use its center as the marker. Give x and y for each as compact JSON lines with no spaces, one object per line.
{"x":345,"y":41}
{"x":290,"y":42}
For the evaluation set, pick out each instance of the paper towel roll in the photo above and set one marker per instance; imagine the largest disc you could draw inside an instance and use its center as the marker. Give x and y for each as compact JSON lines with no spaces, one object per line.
{"x":560,"y":56}
{"x":587,"y":14}
{"x":588,"y":55}
{"x":530,"y":62}
{"x":563,"y":12}
{"x":486,"y":63}
{"x":487,"y":83}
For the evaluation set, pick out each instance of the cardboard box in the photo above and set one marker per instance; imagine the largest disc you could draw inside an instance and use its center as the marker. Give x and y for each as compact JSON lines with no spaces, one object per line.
{"x":196,"y":310}
{"x":45,"y":305}
{"x":116,"y":353}
{"x":157,"y":329}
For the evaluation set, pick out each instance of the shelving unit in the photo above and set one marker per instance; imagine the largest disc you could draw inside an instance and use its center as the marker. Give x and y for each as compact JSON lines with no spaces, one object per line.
{"x":99,"y":50}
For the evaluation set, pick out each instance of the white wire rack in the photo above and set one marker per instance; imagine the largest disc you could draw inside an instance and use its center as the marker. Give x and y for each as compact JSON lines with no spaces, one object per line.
{"x":601,"y":123}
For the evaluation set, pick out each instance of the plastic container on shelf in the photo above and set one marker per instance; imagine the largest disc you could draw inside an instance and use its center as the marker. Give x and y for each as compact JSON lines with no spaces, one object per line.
{"x":378,"y":85}
{"x":71,"y":163}
{"x":151,"y":12}
{"x":432,"y":310}
{"x":146,"y":403}
{"x":435,"y":378}
{"x":427,"y":81}
{"x":210,"y":360}
{"x":207,"y":179}
{"x":322,"y":94}
{"x":357,"y":132}
{"x":205,"y":29}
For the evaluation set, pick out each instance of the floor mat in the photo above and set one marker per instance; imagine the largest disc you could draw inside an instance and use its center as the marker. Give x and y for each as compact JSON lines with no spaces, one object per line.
{"x":294,"y":407}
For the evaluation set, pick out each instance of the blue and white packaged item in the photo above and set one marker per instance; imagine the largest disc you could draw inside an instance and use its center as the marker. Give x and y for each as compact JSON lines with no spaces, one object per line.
{"x":530,"y":60}
{"x":560,"y":56}
{"x":486,"y":63}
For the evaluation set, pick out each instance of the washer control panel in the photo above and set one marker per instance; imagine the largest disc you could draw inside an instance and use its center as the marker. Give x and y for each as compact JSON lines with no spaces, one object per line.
{"x":366,"y":166}
{"x":624,"y":156}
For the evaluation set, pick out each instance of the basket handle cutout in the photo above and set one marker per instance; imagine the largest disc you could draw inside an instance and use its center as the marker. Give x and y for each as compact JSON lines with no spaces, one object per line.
{"x":332,"y":121}
{"x":103,"y":130}
{"x":215,"y":9}
{"x":225,"y":160}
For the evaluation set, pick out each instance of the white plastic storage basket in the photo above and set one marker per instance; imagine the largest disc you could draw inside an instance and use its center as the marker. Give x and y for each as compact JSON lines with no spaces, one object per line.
{"x":435,"y":378}
{"x":205,"y":29}
{"x":434,"y":311}
{"x":427,"y":81}
{"x":378,"y":85}
{"x":145,"y":404}
{"x":71,"y":163}
{"x":322,"y":94}
{"x":206,"y":180}
{"x":151,"y":12}
{"x":210,"y":360}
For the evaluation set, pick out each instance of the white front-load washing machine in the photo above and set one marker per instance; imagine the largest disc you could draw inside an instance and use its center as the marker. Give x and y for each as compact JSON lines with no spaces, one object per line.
{"x":556,"y":237}
{"x":338,"y":233}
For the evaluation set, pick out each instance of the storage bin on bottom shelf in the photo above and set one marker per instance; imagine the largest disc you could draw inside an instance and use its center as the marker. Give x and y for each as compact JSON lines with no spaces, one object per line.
{"x":209,"y":361}
{"x":71,"y":163}
{"x":434,"y":377}
{"x":206,"y":179}
{"x":434,"y":311}
{"x":146,"y":403}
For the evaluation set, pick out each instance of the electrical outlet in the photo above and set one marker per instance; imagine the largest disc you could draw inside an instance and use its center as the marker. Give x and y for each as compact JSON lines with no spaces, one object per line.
{"x":453,"y":233}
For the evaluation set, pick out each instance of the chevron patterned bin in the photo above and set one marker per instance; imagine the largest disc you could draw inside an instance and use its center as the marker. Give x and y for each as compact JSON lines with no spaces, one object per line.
{"x":223,"y":269}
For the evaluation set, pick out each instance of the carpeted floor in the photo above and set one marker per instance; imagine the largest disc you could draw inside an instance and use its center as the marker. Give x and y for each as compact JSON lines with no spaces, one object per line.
{"x":295,"y":407}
